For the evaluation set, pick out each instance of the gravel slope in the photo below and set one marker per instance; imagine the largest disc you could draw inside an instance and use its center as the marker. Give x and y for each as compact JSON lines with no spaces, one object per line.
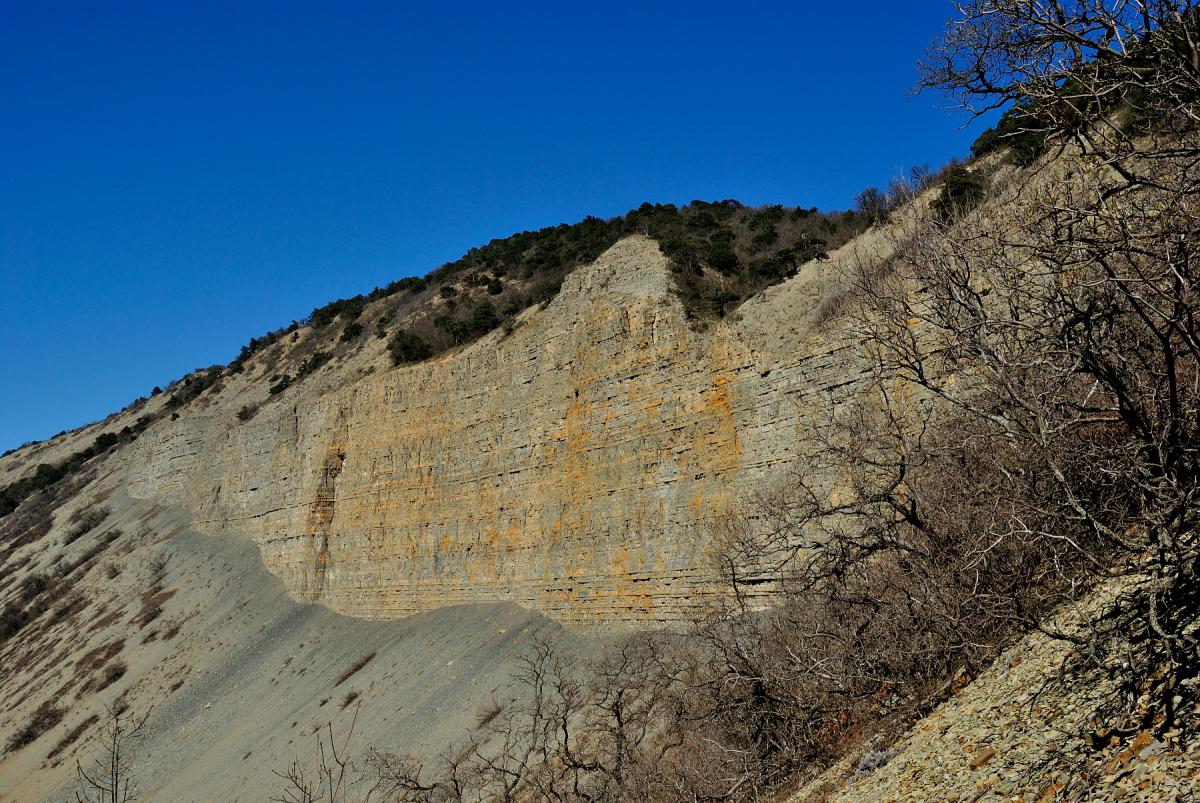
{"x":1016,"y":733}
{"x":235,"y":675}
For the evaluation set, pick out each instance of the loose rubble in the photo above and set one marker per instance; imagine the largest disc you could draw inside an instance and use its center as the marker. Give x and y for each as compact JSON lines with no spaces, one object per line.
{"x":1020,"y":732}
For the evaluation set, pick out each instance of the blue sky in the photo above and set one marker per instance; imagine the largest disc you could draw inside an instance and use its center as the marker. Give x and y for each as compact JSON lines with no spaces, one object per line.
{"x":179,"y":177}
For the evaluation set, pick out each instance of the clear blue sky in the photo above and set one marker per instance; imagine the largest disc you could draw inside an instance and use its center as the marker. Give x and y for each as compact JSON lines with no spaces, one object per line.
{"x":177,"y":177}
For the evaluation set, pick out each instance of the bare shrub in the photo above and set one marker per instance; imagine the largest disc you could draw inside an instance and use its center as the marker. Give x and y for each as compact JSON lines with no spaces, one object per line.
{"x":84,"y":521}
{"x":572,"y":735}
{"x":72,"y":736}
{"x":349,"y":671}
{"x":45,"y":717}
{"x":871,"y":761}
{"x":156,"y":594}
{"x":1028,"y":429}
{"x":1080,"y":319}
{"x":334,"y":776}
{"x":488,"y":714}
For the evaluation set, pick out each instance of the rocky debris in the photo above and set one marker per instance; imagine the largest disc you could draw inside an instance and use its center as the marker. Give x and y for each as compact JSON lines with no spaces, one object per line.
{"x":981,"y":756}
{"x":1018,"y":732}
{"x":234,"y":674}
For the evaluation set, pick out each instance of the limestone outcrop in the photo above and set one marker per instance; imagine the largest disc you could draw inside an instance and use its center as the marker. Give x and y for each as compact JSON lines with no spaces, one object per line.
{"x":571,"y":465}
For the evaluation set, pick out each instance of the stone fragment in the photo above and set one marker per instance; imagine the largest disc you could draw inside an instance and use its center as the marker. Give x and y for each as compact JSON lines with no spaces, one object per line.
{"x":982,"y":757}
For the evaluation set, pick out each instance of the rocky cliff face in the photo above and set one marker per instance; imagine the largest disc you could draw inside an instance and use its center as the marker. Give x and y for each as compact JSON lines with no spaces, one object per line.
{"x":571,"y":465}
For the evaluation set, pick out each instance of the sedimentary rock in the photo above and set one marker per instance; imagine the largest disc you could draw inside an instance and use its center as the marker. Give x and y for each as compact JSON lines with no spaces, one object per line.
{"x":572,"y":465}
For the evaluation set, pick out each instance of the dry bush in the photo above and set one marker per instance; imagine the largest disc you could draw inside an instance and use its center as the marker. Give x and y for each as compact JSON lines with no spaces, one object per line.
{"x":604,"y":733}
{"x":349,"y":671}
{"x":882,"y":595}
{"x":100,"y":667}
{"x":1030,"y":427}
{"x":45,"y":717}
{"x":334,"y":776}
{"x":488,"y":714}
{"x":84,"y":521}
{"x":156,"y":594}
{"x":72,"y":736}
{"x":1080,"y":320}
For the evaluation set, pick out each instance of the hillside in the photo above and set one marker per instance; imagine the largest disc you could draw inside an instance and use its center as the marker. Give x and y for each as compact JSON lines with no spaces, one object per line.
{"x":719,"y":254}
{"x":699,"y":503}
{"x":570,"y":464}
{"x":558,"y":389}
{"x":566,"y":465}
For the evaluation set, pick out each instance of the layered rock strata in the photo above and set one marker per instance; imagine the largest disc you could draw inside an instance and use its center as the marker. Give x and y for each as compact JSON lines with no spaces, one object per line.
{"x":573,"y":465}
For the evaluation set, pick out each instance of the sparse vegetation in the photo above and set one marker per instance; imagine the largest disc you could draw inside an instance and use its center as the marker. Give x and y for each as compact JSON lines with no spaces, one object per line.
{"x":45,"y":717}
{"x":84,"y":521}
{"x":353,"y":668}
{"x":72,"y":736}
{"x":722,"y":253}
{"x":107,"y":676}
{"x":155,"y":595}
{"x":488,"y":715}
{"x":47,"y":475}
{"x":40,"y":593}
{"x":100,"y":666}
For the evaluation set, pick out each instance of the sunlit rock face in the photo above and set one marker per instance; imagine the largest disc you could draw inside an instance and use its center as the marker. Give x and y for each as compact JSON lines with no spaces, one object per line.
{"x":573,"y":465}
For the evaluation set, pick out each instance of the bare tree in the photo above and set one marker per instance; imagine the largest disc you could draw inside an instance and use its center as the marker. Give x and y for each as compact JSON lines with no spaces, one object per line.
{"x":612,"y":732}
{"x":1080,"y":69}
{"x":108,"y":777}
{"x":334,"y":775}
{"x":1030,"y":422}
{"x":1089,"y":336}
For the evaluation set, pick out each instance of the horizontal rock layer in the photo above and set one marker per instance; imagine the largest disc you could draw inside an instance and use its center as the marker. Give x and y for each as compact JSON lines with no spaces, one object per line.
{"x":572,"y":466}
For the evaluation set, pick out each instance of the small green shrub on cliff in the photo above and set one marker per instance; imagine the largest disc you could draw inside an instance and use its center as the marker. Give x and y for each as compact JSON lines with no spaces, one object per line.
{"x":484,"y":318}
{"x":722,"y":253}
{"x":1019,"y":131}
{"x":962,"y":191}
{"x":284,"y":382}
{"x":347,"y":309}
{"x":312,"y":362}
{"x":47,"y":475}
{"x":406,"y":348}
